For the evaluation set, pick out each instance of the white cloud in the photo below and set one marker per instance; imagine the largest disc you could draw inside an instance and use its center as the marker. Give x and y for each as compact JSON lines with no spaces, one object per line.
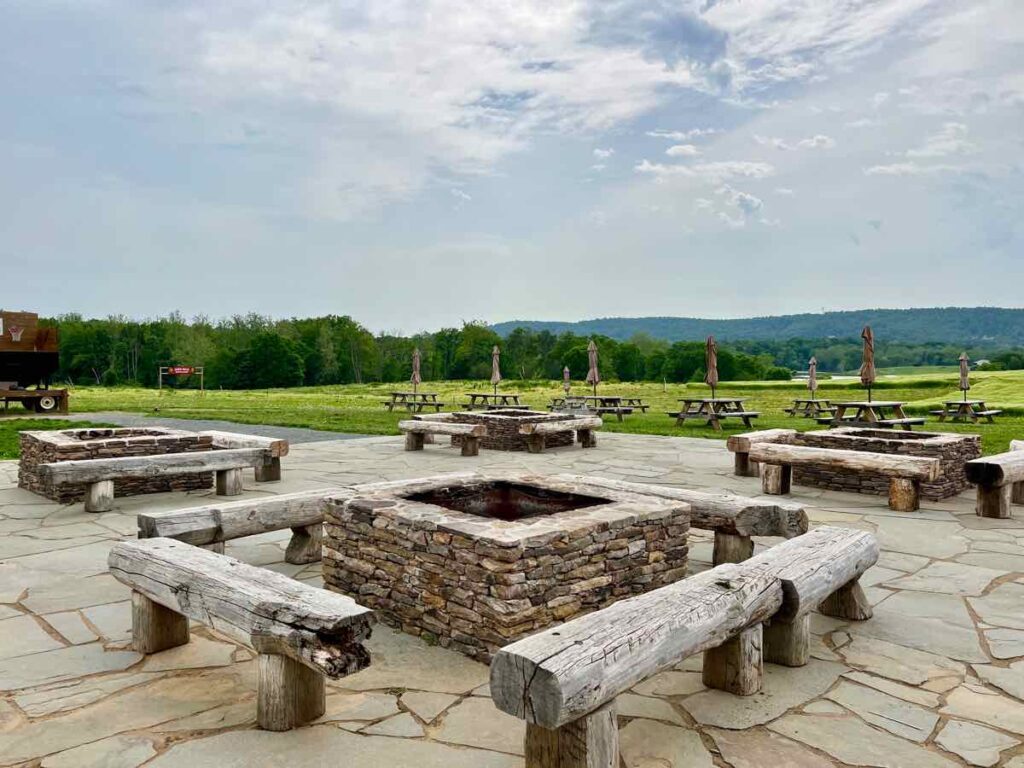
{"x":880,"y":98}
{"x":716,"y":171}
{"x":604,"y":154}
{"x":460,"y":195}
{"x":951,"y":139}
{"x":598,"y":167}
{"x":864,"y":122}
{"x":682,"y":150}
{"x":784,"y":191}
{"x":745,"y":202}
{"x":908,"y":169}
{"x":690,"y":135}
{"x":818,"y":141}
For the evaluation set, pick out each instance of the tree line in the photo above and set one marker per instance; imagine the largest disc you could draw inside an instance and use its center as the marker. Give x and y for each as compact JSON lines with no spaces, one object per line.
{"x":255,"y":352}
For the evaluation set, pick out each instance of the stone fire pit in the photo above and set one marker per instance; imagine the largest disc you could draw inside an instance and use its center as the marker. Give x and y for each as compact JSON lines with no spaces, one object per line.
{"x":953,"y":450}
{"x":73,"y":444}
{"x":503,"y":427}
{"x":476,"y":562}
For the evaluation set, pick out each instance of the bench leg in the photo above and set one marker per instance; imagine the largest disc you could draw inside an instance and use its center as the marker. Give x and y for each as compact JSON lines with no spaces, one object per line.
{"x":994,"y":500}
{"x":470,"y":445}
{"x":99,"y":497}
{"x":1017,"y":495}
{"x":154,"y":627}
{"x":269,"y":472}
{"x":587,"y":438}
{"x":904,"y":494}
{"x":847,"y":602}
{"x":743,"y":466}
{"x":776,"y":479}
{"x":788,"y":642}
{"x":414,"y":441}
{"x":305,"y":545}
{"x":217,"y":547}
{"x":288,"y":694}
{"x":535,"y":443}
{"x":736,"y":666}
{"x":730,"y":548}
{"x":229,"y":482}
{"x":590,"y":742}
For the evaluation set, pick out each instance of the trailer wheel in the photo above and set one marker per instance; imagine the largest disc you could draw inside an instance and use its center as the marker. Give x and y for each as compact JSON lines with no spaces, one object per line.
{"x":46,"y":404}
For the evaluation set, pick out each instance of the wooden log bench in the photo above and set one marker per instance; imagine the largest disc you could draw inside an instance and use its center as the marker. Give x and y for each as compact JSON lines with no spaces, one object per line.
{"x":905,"y":473}
{"x":1000,"y":481}
{"x":740,"y":446}
{"x":301,"y":634}
{"x":99,"y":474}
{"x":734,"y":519}
{"x":563,"y":681}
{"x":416,"y":429}
{"x":211,"y":525}
{"x":584,"y":427}
{"x":274,"y":448}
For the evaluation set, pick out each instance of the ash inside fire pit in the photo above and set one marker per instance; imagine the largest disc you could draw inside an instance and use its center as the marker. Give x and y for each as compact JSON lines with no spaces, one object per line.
{"x":502,"y":500}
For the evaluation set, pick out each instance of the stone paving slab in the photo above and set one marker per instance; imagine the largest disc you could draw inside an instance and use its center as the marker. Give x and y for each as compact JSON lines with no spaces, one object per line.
{"x":936,"y":679}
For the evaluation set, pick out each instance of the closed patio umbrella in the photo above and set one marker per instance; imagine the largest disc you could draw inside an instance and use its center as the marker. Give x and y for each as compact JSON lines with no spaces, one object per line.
{"x":415,"y":378}
{"x":593,"y":377}
{"x":566,"y":380}
{"x":965,"y":373}
{"x":812,"y":376}
{"x":711,"y":364}
{"x":495,"y":367}
{"x":867,"y":368}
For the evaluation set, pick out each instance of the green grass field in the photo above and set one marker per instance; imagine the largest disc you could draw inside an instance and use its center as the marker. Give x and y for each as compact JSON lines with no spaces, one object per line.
{"x":10,"y":428}
{"x":357,"y":408}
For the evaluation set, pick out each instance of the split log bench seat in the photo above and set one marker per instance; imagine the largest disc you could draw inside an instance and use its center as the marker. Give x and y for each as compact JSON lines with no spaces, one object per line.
{"x":99,"y":474}
{"x":273,"y":447}
{"x":584,"y":427}
{"x":416,"y":429}
{"x":211,"y":525}
{"x":300,"y":633}
{"x":905,"y":473}
{"x":740,"y":446}
{"x":563,"y":681}
{"x":1000,"y":481}
{"x":734,"y":519}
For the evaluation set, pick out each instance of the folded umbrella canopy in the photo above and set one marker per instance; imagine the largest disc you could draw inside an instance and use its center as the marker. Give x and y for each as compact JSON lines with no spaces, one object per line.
{"x":593,"y":377}
{"x":965,"y":373}
{"x":495,"y":367}
{"x":415,"y":378}
{"x":867,"y":368}
{"x":566,"y":380}
{"x":711,"y":364}
{"x":812,"y":376}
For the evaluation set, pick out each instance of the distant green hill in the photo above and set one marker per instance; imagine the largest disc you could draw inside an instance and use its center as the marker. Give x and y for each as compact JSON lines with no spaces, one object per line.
{"x":961,"y":325}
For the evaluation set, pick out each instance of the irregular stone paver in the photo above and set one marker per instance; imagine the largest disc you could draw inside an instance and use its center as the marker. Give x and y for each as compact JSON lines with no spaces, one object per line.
{"x":70,"y":595}
{"x":427,"y":706}
{"x":947,"y":578}
{"x":476,"y":722}
{"x":784,"y":688}
{"x":195,"y":654}
{"x":926,"y":621}
{"x":1009,"y":679}
{"x":975,"y":702}
{"x":646,"y":744}
{"x":61,"y":664}
{"x":1002,"y":606}
{"x":71,"y":627}
{"x":402,"y":725}
{"x":976,"y":744}
{"x":632,"y":705}
{"x":218,"y":718}
{"x":899,"y":663}
{"x":760,"y":749}
{"x":915,"y":695}
{"x":671,"y":683}
{"x":360,"y":706}
{"x":71,"y":694}
{"x":23,"y":635}
{"x":115,"y":752}
{"x":1005,"y":643}
{"x":853,"y":741}
{"x":894,"y":715}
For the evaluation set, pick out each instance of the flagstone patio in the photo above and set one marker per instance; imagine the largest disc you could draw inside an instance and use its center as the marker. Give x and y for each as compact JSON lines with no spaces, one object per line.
{"x":935,"y":679}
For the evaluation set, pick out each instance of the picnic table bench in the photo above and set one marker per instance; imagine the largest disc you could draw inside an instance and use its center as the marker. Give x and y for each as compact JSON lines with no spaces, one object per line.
{"x":871,"y":413}
{"x":810,"y":408}
{"x":489,"y":401}
{"x":413,"y":401}
{"x":601,"y":404}
{"x":966,"y":410}
{"x":712,"y":411}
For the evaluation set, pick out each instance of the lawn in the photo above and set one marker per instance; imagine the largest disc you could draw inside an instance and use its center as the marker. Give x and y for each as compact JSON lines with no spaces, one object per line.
{"x":9,"y":429}
{"x":357,"y":408}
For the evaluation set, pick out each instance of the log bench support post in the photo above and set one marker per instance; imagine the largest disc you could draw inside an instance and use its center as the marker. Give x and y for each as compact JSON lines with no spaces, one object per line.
{"x":269,"y":472}
{"x":1017,"y":496}
{"x":154,"y":627}
{"x":743,"y":466}
{"x":99,"y":497}
{"x":994,"y":501}
{"x":776,"y":479}
{"x":904,"y":494}
{"x":587,"y":438}
{"x":740,"y":445}
{"x":731,"y":548}
{"x":736,"y":666}
{"x":288,"y":694}
{"x":535,"y":443}
{"x":470,"y":445}
{"x":590,"y":742}
{"x":788,"y":642}
{"x":414,"y":441}
{"x":305,"y":545}
{"x":847,"y":602}
{"x":229,"y":482}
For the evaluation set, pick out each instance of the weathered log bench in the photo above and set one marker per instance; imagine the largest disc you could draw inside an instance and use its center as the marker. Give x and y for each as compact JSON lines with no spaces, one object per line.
{"x":211,"y":525}
{"x":468,"y":434}
{"x":584,"y":427}
{"x":1000,"y":481}
{"x":734,"y":519}
{"x":274,"y":448}
{"x":905,"y":473}
{"x":563,"y":681}
{"x":300,"y":633}
{"x":99,"y":474}
{"x":740,"y":446}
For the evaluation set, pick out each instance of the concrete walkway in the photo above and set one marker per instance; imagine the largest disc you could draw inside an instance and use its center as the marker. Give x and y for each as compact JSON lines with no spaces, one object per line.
{"x":934,"y":680}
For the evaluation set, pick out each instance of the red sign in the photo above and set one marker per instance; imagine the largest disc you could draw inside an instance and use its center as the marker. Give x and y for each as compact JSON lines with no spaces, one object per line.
{"x":181,"y":370}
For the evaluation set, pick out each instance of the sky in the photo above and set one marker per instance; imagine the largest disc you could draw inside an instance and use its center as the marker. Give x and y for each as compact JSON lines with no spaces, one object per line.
{"x":420,"y":164}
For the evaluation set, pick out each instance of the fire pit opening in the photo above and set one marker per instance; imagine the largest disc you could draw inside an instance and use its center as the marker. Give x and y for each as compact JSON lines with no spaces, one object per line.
{"x":84,"y":435}
{"x":509,"y":501}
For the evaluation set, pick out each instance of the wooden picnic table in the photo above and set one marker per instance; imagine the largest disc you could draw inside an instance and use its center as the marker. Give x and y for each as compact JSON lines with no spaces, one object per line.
{"x":810,"y":408}
{"x":413,"y":401}
{"x":489,"y":401}
{"x":966,"y":410}
{"x":601,"y":404}
{"x":712,"y":411}
{"x":870,"y":413}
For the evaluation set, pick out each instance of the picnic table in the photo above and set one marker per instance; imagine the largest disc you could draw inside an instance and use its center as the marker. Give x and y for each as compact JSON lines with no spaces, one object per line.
{"x":870,"y":413}
{"x":617,"y":404}
{"x":712,"y":411}
{"x":413,"y":401}
{"x":964,"y":410}
{"x":810,"y":409}
{"x":489,"y":401}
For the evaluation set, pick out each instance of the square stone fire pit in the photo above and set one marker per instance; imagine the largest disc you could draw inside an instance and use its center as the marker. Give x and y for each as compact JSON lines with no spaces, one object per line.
{"x":73,"y":444}
{"x":503,"y":427}
{"x":476,"y":562}
{"x":953,"y":451}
